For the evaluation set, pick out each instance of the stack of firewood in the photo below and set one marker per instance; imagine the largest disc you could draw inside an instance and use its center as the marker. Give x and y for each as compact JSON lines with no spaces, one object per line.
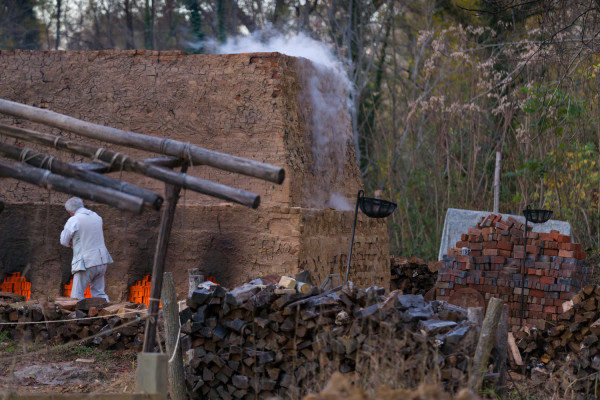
{"x":257,"y":340}
{"x":571,"y":344}
{"x":114,"y":326}
{"x":412,"y":276}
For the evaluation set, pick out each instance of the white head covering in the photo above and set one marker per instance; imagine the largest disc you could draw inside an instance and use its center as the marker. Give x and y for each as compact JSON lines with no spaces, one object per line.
{"x":73,"y":204}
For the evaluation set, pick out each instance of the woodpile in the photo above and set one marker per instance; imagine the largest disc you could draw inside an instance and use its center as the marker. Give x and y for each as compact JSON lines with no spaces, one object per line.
{"x":412,"y":276}
{"x":260,"y":340}
{"x":571,"y":345}
{"x":555,"y":269}
{"x":108,"y":326}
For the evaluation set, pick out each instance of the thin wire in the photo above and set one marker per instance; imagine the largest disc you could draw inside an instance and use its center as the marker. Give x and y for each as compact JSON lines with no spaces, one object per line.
{"x":69,"y":320}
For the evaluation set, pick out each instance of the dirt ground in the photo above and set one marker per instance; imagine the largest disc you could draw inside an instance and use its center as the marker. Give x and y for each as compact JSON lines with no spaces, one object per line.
{"x":64,"y":369}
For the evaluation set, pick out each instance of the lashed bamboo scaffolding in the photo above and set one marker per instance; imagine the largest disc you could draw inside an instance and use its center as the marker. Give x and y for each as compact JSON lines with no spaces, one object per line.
{"x":186,"y":151}
{"x":128,"y":164}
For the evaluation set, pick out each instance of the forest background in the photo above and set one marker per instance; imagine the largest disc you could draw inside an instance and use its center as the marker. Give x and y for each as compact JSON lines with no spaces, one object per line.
{"x":439,"y":87}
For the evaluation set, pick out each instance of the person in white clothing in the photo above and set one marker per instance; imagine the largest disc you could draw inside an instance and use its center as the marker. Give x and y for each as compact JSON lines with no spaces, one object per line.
{"x":83,"y":232}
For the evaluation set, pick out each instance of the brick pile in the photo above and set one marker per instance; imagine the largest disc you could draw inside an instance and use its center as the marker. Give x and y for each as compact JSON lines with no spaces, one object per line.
{"x":15,"y":283}
{"x":555,"y":268}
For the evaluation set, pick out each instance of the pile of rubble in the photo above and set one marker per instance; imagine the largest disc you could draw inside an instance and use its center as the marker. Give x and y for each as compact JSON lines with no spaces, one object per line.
{"x":261,"y":340}
{"x":412,"y":276}
{"x":572,"y":345}
{"x":109,"y":326}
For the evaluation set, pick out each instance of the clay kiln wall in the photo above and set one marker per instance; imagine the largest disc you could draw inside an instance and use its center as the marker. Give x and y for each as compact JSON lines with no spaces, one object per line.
{"x":250,"y":105}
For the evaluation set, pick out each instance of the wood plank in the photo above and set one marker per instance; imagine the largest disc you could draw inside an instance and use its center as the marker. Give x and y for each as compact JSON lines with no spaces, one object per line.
{"x":514,"y":350}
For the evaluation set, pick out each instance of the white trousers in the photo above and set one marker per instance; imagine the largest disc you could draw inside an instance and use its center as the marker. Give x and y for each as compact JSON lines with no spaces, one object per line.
{"x":94,"y":277}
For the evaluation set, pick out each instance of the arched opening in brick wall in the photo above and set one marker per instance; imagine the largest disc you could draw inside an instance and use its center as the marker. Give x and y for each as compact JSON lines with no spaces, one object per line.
{"x":15,"y":283}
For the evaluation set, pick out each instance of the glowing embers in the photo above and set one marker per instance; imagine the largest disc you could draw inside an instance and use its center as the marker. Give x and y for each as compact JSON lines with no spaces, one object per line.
{"x":15,"y":283}
{"x":66,"y":292}
{"x":140,"y":291}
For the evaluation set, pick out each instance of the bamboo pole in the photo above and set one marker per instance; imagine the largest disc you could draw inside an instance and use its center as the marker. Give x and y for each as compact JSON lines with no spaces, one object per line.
{"x":128,"y":164}
{"x":40,"y":160}
{"x":100,"y":168}
{"x":171,"y":321}
{"x":50,"y":181}
{"x":189,"y":152}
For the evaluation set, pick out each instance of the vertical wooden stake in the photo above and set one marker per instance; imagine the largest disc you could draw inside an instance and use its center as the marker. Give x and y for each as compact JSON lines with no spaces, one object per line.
{"x":486,"y":341}
{"x":502,"y":347}
{"x":171,"y":318}
{"x":160,"y":255}
{"x":497,"y":182}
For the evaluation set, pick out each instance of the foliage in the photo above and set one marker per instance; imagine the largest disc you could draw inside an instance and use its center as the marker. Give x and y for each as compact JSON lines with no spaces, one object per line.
{"x":440,"y":86}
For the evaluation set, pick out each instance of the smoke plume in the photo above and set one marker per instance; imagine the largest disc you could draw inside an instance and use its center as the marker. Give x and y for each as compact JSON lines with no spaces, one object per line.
{"x":326,"y":89}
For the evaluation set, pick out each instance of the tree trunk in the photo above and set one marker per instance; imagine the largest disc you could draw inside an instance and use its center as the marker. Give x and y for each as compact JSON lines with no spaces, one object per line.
{"x":149,"y":25}
{"x":129,"y":38}
{"x":58,"y":13}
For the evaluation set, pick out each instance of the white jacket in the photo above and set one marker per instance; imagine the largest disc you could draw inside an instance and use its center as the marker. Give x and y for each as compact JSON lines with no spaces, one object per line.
{"x":85,"y":230}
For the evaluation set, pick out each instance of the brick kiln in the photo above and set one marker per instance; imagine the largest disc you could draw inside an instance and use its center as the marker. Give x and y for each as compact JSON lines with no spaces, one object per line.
{"x":555,"y":269}
{"x":268,"y":107}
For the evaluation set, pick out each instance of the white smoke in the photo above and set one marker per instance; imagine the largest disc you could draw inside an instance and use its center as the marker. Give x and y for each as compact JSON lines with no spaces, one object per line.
{"x":328,"y":88}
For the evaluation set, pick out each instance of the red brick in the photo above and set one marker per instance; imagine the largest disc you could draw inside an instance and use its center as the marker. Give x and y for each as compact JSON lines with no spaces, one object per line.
{"x":462,"y":244}
{"x":550,"y":252}
{"x":490,"y":252}
{"x":547,"y":280}
{"x":505,"y":253}
{"x":476,"y":246}
{"x":490,"y":245}
{"x":532,"y":249}
{"x":550,"y":309}
{"x":569,"y":246}
{"x":563,"y":239}
{"x":503,"y":245}
{"x":566,"y":253}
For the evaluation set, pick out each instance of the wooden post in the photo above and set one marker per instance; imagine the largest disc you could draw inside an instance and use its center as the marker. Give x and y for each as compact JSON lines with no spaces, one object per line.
{"x":88,"y":191}
{"x":194,"y":154}
{"x":502,"y":347}
{"x":486,"y":341}
{"x":44,"y":161}
{"x":497,"y":182}
{"x":171,"y":319}
{"x":128,"y":164}
{"x":160,"y":256}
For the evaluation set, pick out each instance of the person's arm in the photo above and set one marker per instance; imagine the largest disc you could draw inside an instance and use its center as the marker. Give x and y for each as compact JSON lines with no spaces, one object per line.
{"x":69,"y":230}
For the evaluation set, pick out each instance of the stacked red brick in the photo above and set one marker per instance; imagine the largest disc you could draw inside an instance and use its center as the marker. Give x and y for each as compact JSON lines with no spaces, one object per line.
{"x":555,"y":268}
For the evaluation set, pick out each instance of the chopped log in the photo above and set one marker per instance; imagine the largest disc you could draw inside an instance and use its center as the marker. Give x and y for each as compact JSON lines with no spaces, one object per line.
{"x":88,"y":191}
{"x":126,"y":163}
{"x":514,"y":350}
{"x":44,"y":161}
{"x":287,"y":282}
{"x":189,"y":152}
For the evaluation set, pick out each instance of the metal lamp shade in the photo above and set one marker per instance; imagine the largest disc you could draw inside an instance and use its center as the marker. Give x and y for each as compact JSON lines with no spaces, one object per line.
{"x":376,"y":208}
{"x":537,"y":216}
